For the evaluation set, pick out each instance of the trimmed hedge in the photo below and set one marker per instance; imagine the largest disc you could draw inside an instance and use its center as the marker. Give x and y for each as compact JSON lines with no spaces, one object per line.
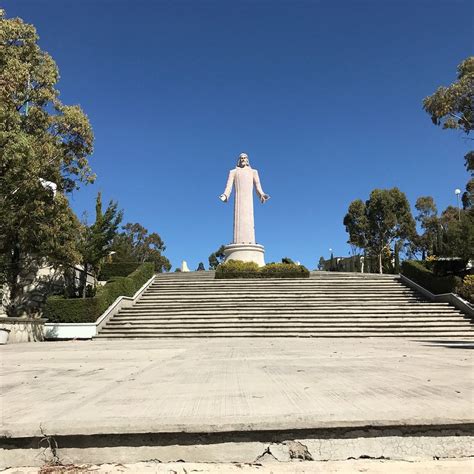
{"x":120,"y":269}
{"x":239,"y":269}
{"x":417,"y":272}
{"x":87,"y":310}
{"x":452,"y":266}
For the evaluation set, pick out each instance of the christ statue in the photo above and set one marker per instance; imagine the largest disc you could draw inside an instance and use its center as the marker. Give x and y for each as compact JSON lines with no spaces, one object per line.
{"x":244,"y":178}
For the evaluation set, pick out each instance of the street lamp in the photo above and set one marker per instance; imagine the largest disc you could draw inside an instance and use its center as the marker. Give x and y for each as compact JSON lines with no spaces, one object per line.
{"x":457,"y":191}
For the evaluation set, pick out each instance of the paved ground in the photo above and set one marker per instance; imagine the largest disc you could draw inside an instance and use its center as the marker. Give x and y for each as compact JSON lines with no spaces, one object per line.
{"x":446,"y":466}
{"x":210,"y":385}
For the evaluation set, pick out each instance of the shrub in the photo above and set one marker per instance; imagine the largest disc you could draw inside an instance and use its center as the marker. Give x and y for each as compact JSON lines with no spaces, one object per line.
{"x":87,"y":310}
{"x":466,"y":288}
{"x":418,"y":272}
{"x":119,"y":269}
{"x":284,"y":270}
{"x":239,"y":269}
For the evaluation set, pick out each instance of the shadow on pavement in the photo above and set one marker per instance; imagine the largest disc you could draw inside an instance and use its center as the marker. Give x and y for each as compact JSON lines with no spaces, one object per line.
{"x":458,"y":344}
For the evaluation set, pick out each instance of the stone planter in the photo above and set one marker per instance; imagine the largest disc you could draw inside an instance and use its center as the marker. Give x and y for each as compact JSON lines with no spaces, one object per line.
{"x":4,"y":333}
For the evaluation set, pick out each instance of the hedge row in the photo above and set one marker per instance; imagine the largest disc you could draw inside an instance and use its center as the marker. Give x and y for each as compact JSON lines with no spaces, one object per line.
{"x":121,"y":269}
{"x":447,"y":266}
{"x":417,"y":272}
{"x":239,"y":269}
{"x":87,"y":310}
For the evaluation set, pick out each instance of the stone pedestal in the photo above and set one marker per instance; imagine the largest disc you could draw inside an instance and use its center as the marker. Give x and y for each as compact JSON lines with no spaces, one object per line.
{"x":245,"y":252}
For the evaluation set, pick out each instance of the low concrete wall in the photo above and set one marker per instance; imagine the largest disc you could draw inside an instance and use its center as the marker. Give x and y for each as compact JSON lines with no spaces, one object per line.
{"x":90,"y":330}
{"x":23,"y":329}
{"x":70,"y":330}
{"x":450,"y":298}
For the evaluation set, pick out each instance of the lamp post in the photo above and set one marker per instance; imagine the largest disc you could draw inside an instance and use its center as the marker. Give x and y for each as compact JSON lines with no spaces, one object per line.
{"x":457,"y":191}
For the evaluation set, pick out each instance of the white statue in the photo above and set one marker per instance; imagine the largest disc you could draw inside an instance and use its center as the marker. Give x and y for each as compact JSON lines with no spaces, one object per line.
{"x":244,"y":179}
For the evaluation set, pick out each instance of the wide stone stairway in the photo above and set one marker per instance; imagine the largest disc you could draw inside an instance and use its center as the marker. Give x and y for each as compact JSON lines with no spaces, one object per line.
{"x":325,"y":305}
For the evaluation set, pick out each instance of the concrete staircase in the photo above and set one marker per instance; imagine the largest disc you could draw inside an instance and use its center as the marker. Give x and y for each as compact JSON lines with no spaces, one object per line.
{"x":326,"y":305}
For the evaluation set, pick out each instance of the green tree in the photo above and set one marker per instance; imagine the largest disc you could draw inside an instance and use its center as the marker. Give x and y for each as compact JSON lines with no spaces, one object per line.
{"x":95,"y":243}
{"x":44,"y":146}
{"x":389,"y":218}
{"x":383,"y":221}
{"x":428,"y":218}
{"x":457,"y":233}
{"x":357,"y":225}
{"x":216,"y":257}
{"x":452,"y":107}
{"x":135,"y":244}
{"x":468,"y":195}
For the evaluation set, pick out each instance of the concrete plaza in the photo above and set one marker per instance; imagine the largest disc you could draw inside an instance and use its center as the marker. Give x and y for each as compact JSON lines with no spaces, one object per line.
{"x":83,"y":387}
{"x":240,"y":385}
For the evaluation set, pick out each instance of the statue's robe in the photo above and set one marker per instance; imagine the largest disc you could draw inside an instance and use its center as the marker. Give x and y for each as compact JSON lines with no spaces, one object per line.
{"x":244,"y":179}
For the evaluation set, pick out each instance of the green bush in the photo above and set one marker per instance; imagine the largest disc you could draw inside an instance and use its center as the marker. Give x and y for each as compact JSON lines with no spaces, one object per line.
{"x":284,"y":270}
{"x":87,"y":310}
{"x":239,"y":269}
{"x":418,"y":272}
{"x":119,"y":269}
{"x":466,"y":288}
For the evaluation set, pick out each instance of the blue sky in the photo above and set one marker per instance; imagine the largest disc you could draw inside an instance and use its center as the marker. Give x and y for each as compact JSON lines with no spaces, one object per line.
{"x":325,"y":97}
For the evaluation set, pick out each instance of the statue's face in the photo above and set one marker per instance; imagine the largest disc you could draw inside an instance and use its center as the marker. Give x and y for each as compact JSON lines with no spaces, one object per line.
{"x":243,"y":161}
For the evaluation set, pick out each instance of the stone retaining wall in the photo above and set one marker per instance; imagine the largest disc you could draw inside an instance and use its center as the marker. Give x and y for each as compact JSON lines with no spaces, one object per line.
{"x":23,"y":329}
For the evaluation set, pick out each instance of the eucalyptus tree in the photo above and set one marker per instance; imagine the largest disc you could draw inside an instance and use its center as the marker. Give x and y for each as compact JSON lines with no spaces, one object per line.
{"x":382,"y":222}
{"x":427,"y":216}
{"x":452,"y":107}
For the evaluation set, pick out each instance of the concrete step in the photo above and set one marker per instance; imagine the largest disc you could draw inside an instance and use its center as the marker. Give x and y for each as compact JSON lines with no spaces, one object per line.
{"x":286,"y":312}
{"x":280,"y":296}
{"x":289,"y":325}
{"x":279,"y":283}
{"x":132,"y":318}
{"x":296,"y":302}
{"x":266,"y":333}
{"x":310,"y":310}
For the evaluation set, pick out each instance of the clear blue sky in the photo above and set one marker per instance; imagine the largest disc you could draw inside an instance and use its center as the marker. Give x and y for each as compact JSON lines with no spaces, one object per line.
{"x":325,"y":97}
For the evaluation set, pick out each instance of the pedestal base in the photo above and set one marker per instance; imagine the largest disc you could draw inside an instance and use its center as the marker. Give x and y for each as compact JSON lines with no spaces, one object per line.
{"x":245,"y":252}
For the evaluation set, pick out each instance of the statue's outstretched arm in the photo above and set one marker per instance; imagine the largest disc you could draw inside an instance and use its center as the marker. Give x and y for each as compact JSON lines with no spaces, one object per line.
{"x":258,"y":187}
{"x":228,"y":188}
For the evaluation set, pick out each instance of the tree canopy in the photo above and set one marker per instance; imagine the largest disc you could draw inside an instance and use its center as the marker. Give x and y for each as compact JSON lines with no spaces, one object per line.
{"x":452,"y":107}
{"x":44,"y":149}
{"x":428,"y":218}
{"x":381,"y":221}
{"x":136,"y":244}
{"x":95,"y":241}
{"x":216,"y":257}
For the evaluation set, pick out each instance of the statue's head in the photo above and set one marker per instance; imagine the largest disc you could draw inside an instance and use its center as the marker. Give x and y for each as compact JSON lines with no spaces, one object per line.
{"x":243,"y":160}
